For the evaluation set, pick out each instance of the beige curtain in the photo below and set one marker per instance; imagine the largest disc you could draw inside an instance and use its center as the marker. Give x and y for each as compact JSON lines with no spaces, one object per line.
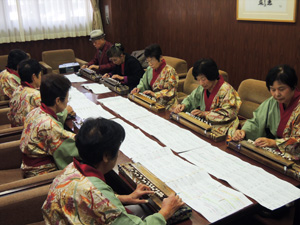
{"x":97,"y":22}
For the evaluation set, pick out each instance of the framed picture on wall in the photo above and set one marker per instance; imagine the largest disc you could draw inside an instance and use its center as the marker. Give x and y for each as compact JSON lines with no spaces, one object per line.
{"x":267,"y":10}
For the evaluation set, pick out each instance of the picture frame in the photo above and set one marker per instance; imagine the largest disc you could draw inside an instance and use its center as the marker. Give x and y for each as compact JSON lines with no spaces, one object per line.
{"x":267,"y":10}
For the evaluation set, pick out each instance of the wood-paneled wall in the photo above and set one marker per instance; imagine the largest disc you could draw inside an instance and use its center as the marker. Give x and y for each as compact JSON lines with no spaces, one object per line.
{"x":81,"y":45}
{"x":192,"y":29}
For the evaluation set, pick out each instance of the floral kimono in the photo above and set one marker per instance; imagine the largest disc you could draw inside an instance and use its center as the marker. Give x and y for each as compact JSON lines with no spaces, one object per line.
{"x":164,"y":86}
{"x":270,"y":120}
{"x":24,"y":99}
{"x":45,"y":144}
{"x":79,"y":195}
{"x":9,"y":81}
{"x":220,"y":108}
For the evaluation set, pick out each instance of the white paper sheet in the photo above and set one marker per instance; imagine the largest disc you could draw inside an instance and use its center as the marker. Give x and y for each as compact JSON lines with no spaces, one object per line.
{"x":96,"y":88}
{"x":73,"y":78}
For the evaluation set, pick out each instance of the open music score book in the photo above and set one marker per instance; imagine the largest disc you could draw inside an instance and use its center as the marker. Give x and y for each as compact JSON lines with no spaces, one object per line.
{"x":73,"y":78}
{"x":85,"y":108}
{"x":265,"y":188}
{"x":96,"y":88}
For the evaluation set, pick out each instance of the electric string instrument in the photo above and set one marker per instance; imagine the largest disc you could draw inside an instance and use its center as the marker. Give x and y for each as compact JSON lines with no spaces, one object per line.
{"x":268,"y":156}
{"x":90,"y":74}
{"x":115,"y":86}
{"x":199,"y":125}
{"x":146,"y":101}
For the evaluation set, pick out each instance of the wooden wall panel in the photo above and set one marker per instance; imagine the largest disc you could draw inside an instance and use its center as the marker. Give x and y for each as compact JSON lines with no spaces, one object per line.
{"x":82,"y":47}
{"x":192,"y":29}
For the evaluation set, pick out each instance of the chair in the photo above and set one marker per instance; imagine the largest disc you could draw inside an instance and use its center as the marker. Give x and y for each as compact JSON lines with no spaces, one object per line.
{"x":10,"y":162}
{"x":187,"y":85}
{"x":8,"y":133}
{"x":179,"y":65}
{"x":52,"y":59}
{"x":23,"y":207}
{"x":4,"y":121}
{"x":252,"y":93}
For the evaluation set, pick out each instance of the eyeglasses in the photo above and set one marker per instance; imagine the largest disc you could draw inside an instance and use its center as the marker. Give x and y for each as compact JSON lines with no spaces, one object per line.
{"x":151,"y":61}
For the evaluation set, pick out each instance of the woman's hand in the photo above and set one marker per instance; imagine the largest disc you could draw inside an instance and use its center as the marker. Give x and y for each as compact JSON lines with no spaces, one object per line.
{"x":134,"y":197}
{"x":179,"y":108}
{"x":197,"y":112}
{"x":148,"y":92}
{"x":238,"y":135}
{"x":70,"y":111}
{"x":83,"y":66}
{"x":170,"y":205}
{"x":135,"y":90}
{"x":265,"y":142}
{"x":96,"y":67}
{"x":116,"y":76}
{"x":106,"y":75}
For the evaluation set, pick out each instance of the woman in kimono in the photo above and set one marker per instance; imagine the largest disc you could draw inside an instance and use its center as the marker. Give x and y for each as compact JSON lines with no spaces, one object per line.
{"x":276,"y":121}
{"x":80,"y":195}
{"x":128,"y":69}
{"x":160,"y":80}
{"x":9,"y":78}
{"x":26,"y":97}
{"x":214,"y":100}
{"x":45,"y":144}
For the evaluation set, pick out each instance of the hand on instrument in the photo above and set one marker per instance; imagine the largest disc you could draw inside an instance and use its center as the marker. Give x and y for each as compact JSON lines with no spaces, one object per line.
{"x":170,"y":205}
{"x":135,"y":90}
{"x":265,"y":142}
{"x":70,"y":111}
{"x":197,"y":112}
{"x":134,"y":197}
{"x":179,"y":108}
{"x":116,"y":76}
{"x":148,"y":92}
{"x":238,"y":135}
{"x":83,"y":66}
{"x":106,"y":75}
{"x":96,"y":67}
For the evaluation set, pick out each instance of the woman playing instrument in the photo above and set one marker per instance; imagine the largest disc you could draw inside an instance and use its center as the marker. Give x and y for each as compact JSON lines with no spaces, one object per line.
{"x":45,"y":144}
{"x":80,"y":195}
{"x":160,"y":80}
{"x":214,"y":100}
{"x":276,"y":121}
{"x":128,"y":69}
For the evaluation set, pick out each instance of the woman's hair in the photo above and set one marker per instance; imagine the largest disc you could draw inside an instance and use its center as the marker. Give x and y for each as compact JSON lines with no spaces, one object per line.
{"x":99,"y":137}
{"x":206,"y":67}
{"x":283,"y":73}
{"x":153,"y":50}
{"x":53,"y":86}
{"x":115,"y":51}
{"x":27,"y":68}
{"x":15,"y":56}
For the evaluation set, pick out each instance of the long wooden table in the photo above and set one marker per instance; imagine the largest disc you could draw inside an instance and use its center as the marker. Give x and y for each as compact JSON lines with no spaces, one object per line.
{"x":196,"y":217}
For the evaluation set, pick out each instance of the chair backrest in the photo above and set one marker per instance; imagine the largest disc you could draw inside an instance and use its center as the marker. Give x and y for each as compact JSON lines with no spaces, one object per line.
{"x":10,"y":155}
{"x":3,"y":116}
{"x":191,"y":84}
{"x":179,"y":65}
{"x":252,"y":93}
{"x":54,"y":58}
{"x":3,"y":61}
{"x":23,"y":207}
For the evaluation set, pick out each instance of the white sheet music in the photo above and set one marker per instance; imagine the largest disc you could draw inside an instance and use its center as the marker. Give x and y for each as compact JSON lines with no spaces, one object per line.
{"x":96,"y":88}
{"x":196,"y":188}
{"x":73,"y":78}
{"x":84,"y":108}
{"x":253,"y":181}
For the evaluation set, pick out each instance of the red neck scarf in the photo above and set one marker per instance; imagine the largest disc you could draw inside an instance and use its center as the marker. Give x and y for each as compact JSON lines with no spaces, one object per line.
{"x":208,"y":100}
{"x":285,"y":114}
{"x":157,"y":71}
{"x":26,"y":84}
{"x":123,"y":68}
{"x":49,"y":111}
{"x":13,"y":72}
{"x":87,"y":170}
